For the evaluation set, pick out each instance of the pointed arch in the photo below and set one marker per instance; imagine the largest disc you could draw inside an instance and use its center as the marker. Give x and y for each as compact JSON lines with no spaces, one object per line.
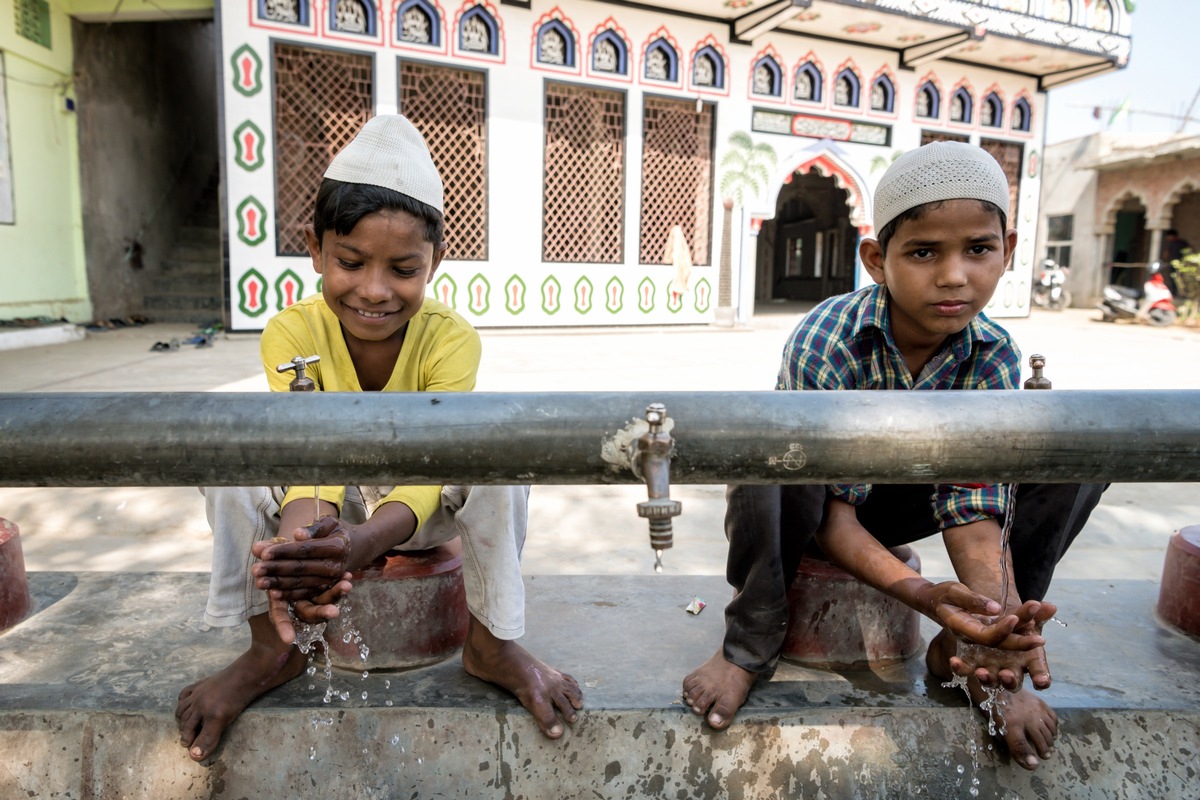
{"x":1022,"y":115}
{"x":608,"y":51}
{"x":826,"y":158}
{"x":928,"y":99}
{"x":807,"y":80}
{"x":418,"y":22}
{"x":883,"y":92}
{"x":660,"y":58}
{"x":766,"y":75}
{"x":847,"y":86}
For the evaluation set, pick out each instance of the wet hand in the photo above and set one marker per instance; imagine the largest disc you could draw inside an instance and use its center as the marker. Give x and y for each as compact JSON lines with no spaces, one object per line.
{"x":321,"y":608}
{"x":298,"y":570}
{"x":1001,"y":668}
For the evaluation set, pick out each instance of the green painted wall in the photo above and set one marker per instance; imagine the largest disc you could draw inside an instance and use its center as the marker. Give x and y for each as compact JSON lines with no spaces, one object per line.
{"x":42,"y":268}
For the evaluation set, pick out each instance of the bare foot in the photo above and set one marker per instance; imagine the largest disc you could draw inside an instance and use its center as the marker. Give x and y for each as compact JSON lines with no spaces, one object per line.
{"x":543,"y":690}
{"x":1029,"y":725}
{"x":210,"y":705}
{"x":718,"y":688}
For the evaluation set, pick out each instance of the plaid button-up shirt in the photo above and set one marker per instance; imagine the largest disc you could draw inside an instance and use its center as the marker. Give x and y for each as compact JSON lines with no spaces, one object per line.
{"x":846,"y":343}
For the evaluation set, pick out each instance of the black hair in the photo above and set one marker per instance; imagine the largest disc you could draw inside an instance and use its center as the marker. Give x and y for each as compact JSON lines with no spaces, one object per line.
{"x":916,"y":212}
{"x":341,"y":205}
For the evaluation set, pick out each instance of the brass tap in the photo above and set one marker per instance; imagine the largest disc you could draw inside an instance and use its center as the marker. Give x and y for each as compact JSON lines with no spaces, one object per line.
{"x":300,"y":383}
{"x":652,"y":463}
{"x":1037,"y":381}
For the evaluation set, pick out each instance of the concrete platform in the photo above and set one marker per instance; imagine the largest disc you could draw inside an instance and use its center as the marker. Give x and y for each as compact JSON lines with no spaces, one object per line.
{"x":88,"y":685}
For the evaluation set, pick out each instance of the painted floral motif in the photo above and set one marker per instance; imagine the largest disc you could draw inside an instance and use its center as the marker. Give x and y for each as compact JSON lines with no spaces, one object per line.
{"x":909,"y":38}
{"x":862,"y":28}
{"x":1021,"y":59}
{"x":738,"y":3}
{"x":808,"y":16}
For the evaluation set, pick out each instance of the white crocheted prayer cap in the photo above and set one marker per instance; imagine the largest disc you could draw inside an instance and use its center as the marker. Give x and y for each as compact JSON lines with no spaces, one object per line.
{"x":390,"y":152}
{"x":939,"y":171}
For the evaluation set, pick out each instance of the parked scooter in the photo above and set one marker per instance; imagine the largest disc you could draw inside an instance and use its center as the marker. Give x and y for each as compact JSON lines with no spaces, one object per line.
{"x":1153,"y":304}
{"x":1049,"y":291}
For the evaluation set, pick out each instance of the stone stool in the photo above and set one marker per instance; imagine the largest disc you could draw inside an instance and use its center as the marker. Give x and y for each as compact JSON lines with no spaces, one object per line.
{"x":14,"y":588}
{"x":1179,"y":596}
{"x":838,"y":622}
{"x":410,"y":609}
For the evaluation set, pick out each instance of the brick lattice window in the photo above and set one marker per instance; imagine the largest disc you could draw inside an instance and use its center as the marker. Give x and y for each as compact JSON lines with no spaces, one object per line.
{"x":322,"y":99}
{"x":1010,"y":155}
{"x":677,"y":148}
{"x":32,"y":19}
{"x":448,"y":106}
{"x":584,"y":196}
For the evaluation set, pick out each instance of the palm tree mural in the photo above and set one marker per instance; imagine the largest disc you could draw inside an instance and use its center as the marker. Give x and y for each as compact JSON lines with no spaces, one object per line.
{"x":746,"y":172}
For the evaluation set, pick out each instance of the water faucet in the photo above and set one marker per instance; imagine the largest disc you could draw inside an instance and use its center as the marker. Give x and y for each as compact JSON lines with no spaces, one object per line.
{"x":651,"y":462}
{"x":300,"y":383}
{"x":1037,"y":380}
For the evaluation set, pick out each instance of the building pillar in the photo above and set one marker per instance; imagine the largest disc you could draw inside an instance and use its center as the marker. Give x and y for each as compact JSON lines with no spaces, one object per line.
{"x":1156,"y":237}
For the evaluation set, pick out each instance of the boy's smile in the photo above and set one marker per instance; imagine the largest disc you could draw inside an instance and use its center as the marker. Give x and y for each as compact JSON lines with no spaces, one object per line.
{"x":940,"y":270}
{"x":374,"y":277}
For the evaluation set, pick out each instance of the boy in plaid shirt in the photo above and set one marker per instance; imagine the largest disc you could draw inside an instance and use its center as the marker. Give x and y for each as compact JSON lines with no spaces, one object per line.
{"x":943,"y":244}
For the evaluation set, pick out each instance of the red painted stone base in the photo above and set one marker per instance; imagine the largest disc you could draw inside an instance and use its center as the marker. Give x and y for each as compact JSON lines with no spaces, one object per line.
{"x":1179,"y":597}
{"x":838,"y":622}
{"x":14,"y":588}
{"x":409,"y":609}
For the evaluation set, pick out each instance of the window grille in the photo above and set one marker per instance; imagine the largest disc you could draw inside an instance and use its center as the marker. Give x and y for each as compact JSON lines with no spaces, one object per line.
{"x":322,"y":98}
{"x":448,"y":106}
{"x":32,"y":18}
{"x":584,"y":188}
{"x":677,"y":146}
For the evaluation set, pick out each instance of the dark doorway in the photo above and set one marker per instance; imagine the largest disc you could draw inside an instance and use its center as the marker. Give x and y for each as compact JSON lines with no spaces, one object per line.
{"x":1130,"y":252}
{"x":807,"y":251}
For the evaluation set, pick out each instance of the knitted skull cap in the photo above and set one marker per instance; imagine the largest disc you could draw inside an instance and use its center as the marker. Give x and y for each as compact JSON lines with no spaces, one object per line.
{"x":390,"y":152}
{"x":939,"y":171}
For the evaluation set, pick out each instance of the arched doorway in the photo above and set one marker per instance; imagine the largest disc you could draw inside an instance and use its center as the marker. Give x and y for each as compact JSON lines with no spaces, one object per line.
{"x":807,"y":250}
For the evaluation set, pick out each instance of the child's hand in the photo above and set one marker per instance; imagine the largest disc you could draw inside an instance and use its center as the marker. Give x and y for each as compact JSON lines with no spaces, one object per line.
{"x":974,"y":617}
{"x":306,"y":577}
{"x":995,"y":667}
{"x":306,"y":567}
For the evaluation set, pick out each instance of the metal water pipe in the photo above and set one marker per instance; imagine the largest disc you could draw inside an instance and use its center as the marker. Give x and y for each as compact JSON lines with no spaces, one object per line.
{"x":224,"y":439}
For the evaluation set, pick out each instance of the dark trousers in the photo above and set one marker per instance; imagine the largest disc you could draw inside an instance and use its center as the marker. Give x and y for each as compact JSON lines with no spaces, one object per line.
{"x":769,"y":528}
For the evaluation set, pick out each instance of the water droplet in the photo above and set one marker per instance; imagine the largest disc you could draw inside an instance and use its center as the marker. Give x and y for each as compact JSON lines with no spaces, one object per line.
{"x":387,"y":684}
{"x":312,"y":753}
{"x":311,"y":670}
{"x":346,"y":637}
{"x":420,"y":761}
{"x":312,"y":686}
{"x":960,"y":769}
{"x":974,"y":792}
{"x":344,"y":696}
{"x":395,"y":739}
{"x":365,"y":674}
{"x":388,"y":703}
{"x":364,"y":695}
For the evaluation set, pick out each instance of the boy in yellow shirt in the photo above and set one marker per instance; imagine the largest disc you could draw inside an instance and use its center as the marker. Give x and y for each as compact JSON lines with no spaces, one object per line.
{"x":377,"y":241}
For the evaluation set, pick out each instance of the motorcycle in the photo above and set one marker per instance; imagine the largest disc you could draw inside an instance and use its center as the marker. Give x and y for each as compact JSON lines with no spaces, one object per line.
{"x":1153,"y":304}
{"x":1049,"y":292}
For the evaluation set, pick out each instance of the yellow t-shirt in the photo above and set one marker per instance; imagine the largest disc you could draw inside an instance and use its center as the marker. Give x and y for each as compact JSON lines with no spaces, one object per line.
{"x":440,"y":353}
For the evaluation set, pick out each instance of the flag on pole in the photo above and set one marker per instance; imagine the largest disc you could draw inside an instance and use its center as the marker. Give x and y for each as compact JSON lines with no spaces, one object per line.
{"x":1119,"y":113}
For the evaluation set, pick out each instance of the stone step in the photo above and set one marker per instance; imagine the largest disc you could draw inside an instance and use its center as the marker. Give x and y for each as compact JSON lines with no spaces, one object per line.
{"x":88,"y":686}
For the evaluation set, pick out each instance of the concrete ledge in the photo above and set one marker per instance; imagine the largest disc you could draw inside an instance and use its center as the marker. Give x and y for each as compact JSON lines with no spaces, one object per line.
{"x":17,"y":338}
{"x":88,"y":685}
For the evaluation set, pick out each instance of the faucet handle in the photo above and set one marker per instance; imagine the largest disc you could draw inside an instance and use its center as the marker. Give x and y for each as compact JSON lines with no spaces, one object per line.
{"x":656,"y":414}
{"x":300,"y":383}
